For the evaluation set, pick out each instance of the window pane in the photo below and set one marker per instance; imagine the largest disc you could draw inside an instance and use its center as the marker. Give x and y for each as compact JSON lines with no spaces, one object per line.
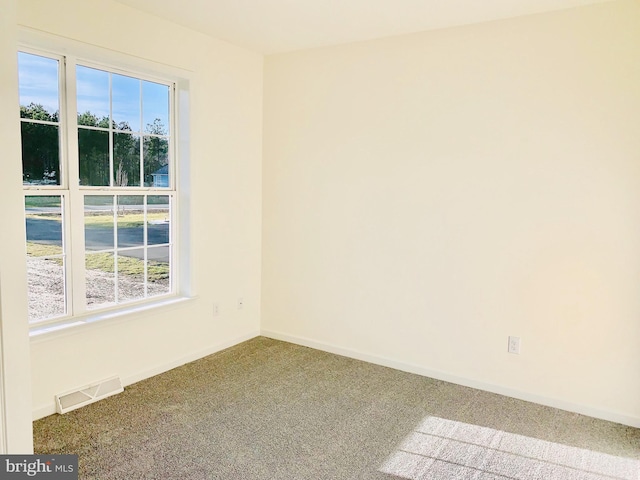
{"x":158,"y":219}
{"x":123,"y":143}
{"x":126,"y":159}
{"x":100,"y":278}
{"x":131,"y":284}
{"x":93,"y":149}
{"x":45,"y":256}
{"x":130,"y":221}
{"x":38,"y":82}
{"x":40,"y":154}
{"x":155,"y":108}
{"x":98,"y":222}
{"x":156,"y":162}
{"x":158,"y":270}
{"x":126,"y":102}
{"x":92,"y":97}
{"x":43,"y":216}
{"x":45,"y":278}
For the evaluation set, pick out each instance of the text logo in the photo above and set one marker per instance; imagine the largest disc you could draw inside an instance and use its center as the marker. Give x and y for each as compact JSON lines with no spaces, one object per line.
{"x":51,"y":467}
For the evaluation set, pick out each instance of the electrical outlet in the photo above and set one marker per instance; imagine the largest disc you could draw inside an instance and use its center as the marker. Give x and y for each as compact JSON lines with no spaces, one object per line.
{"x":240,"y":303}
{"x":216,"y":309}
{"x":514,"y":345}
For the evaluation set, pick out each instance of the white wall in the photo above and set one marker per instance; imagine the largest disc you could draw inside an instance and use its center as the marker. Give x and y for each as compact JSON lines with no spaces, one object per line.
{"x":15,"y":376}
{"x":425,"y":196}
{"x":225,"y":197}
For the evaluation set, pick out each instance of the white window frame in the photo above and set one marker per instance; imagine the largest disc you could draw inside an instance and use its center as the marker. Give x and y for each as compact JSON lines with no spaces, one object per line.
{"x":70,"y":53}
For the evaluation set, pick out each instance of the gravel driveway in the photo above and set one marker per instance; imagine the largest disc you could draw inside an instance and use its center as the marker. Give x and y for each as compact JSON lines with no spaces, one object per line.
{"x":46,"y":288}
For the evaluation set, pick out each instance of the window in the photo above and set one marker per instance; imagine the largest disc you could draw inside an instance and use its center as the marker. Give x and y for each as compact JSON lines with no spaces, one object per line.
{"x":99,"y":184}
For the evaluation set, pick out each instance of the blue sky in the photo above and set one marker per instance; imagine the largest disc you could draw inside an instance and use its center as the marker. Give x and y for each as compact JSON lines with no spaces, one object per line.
{"x":38,"y":78}
{"x":39,"y":84}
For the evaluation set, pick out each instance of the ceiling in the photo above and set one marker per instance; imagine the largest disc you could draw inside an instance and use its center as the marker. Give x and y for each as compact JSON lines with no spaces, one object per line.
{"x":275,"y":26}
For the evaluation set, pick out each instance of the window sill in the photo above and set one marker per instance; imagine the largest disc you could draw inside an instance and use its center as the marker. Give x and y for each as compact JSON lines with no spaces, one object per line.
{"x":77,"y":324}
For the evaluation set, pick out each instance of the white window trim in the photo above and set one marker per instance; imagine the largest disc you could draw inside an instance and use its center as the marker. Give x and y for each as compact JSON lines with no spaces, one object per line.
{"x":33,"y":41}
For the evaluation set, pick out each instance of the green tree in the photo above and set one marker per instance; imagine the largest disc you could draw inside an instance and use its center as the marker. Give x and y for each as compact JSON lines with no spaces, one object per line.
{"x":93,"y":149}
{"x":90,"y":120}
{"x":126,"y":157}
{"x":156,"y":149}
{"x":40,"y":145}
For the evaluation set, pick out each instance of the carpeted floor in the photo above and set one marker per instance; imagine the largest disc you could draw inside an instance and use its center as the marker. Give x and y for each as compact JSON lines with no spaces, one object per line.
{"x":267,"y":410}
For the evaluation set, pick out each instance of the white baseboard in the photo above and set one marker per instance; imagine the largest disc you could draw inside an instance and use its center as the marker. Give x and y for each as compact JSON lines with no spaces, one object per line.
{"x":467,"y":382}
{"x":128,"y":380}
{"x":50,"y":409}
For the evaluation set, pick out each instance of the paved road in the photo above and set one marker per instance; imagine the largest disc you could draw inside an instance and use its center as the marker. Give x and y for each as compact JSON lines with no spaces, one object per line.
{"x":49,"y":232}
{"x":99,"y":208}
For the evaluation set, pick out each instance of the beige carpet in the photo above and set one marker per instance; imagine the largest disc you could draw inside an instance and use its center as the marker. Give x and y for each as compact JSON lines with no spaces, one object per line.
{"x":267,"y":409}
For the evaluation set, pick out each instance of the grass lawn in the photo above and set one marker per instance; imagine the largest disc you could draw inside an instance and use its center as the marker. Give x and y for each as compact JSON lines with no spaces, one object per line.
{"x":37,"y":201}
{"x":44,"y":250}
{"x":128,"y":266}
{"x":104,"y":261}
{"x":129,"y":220}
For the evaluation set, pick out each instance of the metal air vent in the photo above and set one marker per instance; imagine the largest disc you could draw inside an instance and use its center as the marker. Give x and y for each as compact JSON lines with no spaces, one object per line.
{"x":65,"y":402}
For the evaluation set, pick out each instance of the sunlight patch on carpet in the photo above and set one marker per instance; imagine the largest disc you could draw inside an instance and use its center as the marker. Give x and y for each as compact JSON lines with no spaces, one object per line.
{"x":441,"y":448}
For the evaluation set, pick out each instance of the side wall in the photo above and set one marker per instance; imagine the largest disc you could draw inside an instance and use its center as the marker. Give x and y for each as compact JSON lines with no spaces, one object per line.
{"x":225,"y":198}
{"x":426,"y":196}
{"x":15,"y":373}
